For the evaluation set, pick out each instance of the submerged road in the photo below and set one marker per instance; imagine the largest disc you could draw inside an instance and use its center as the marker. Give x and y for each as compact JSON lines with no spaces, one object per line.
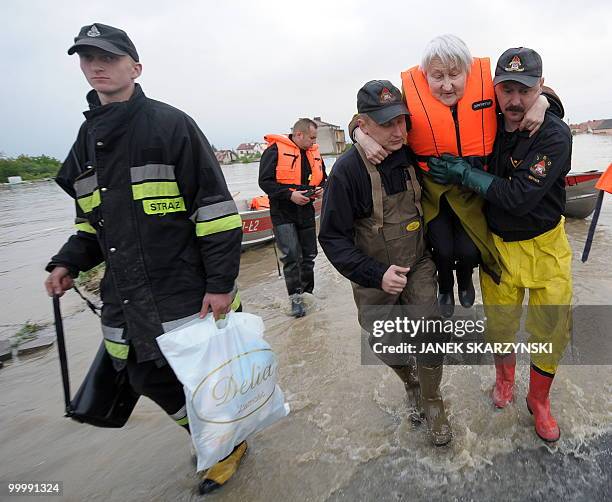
{"x":348,"y":436}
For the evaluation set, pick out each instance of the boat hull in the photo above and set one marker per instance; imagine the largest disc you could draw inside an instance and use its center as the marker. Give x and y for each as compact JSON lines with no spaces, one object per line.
{"x":581,"y":194}
{"x":257,"y":225}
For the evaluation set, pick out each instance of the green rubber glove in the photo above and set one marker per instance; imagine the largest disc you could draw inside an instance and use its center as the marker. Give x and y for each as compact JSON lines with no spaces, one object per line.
{"x":477,"y":180}
{"x":449,"y":169}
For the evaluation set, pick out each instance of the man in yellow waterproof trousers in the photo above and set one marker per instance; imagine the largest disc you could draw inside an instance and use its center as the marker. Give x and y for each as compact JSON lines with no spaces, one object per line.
{"x":525,"y":193}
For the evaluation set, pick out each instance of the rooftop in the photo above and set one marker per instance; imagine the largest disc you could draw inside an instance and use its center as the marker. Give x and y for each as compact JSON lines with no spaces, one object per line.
{"x":605,"y":124}
{"x":320,"y":123}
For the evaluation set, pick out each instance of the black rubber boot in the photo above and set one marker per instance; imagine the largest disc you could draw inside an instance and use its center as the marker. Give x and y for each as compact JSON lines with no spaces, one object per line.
{"x":446,"y":301}
{"x":467,"y":296}
{"x":297,"y":306}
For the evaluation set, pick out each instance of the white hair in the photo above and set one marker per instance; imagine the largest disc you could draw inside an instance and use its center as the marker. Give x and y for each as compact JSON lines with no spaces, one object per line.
{"x":450,"y":50}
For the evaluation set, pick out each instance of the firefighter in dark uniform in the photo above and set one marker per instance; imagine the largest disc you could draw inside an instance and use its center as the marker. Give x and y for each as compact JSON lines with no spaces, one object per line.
{"x":292,"y":173}
{"x":372,"y":232}
{"x":152,"y":204}
{"x":525,"y":193}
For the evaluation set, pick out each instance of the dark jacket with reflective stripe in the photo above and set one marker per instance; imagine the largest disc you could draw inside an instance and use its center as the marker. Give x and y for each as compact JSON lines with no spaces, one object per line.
{"x":152,"y":203}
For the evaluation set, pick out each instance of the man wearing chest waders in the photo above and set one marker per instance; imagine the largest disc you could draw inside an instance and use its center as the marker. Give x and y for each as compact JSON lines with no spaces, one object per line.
{"x":372,"y":232}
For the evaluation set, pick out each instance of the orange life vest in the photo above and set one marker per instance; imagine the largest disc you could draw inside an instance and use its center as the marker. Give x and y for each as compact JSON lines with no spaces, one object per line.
{"x":289,"y":163}
{"x":261,"y":202}
{"x":434,"y":131}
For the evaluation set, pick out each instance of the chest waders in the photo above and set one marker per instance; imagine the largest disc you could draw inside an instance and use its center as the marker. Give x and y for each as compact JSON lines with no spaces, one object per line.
{"x":393,"y":234}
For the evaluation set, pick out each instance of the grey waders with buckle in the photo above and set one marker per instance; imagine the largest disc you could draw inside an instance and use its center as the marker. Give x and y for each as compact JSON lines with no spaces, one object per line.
{"x":394,"y":235}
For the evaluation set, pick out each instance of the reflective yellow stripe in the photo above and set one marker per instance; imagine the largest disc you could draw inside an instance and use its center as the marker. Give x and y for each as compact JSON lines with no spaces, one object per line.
{"x":182,"y":421}
{"x":163,"y":206}
{"x":236,"y":303}
{"x":221,"y":225}
{"x":88,"y":202}
{"x":85,"y":227}
{"x":117,"y":350}
{"x":155,"y":189}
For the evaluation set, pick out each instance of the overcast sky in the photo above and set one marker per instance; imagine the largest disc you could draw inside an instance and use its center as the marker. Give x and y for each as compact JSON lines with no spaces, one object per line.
{"x":246,"y":68}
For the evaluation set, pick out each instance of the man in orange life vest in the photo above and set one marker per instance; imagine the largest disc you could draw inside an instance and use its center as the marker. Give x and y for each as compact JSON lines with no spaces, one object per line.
{"x":524,"y":191}
{"x":292,"y":173}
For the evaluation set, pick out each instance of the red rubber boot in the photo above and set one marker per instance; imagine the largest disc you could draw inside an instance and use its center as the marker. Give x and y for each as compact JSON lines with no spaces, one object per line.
{"x":538,"y":405}
{"x":503,"y":392}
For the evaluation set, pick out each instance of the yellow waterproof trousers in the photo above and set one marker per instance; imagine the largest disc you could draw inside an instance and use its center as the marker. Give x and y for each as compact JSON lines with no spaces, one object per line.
{"x":541,"y":265}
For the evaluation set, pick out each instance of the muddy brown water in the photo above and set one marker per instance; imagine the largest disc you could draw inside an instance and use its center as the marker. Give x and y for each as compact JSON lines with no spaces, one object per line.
{"x":348,"y":436}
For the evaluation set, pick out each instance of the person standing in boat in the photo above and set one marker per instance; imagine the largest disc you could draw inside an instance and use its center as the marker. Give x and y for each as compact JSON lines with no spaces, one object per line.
{"x":292,"y":174}
{"x":452,"y":110}
{"x":524,"y":190}
{"x":152,"y":204}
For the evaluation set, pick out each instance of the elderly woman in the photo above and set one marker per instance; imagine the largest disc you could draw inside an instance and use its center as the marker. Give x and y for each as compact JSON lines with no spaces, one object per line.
{"x":452,"y":105}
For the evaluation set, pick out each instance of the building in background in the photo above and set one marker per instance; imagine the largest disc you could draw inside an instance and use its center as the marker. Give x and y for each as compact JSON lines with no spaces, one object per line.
{"x":248,"y":149}
{"x":330,"y":137}
{"x":226,"y":156}
{"x":604,"y":128}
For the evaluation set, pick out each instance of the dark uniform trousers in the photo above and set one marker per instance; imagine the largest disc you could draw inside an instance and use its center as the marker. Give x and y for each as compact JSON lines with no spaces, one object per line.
{"x":159,"y":384}
{"x":452,"y":249}
{"x":297,"y":245}
{"x":157,"y":381}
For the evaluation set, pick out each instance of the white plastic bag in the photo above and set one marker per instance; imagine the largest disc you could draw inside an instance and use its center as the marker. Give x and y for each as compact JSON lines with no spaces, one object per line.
{"x":229,"y":374}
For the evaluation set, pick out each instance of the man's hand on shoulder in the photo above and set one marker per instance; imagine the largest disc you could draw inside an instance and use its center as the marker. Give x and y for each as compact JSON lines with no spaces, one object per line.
{"x":534,"y":117}
{"x":373,"y":151}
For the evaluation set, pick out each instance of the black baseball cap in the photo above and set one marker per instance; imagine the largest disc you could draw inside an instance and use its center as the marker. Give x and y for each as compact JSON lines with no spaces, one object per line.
{"x":381,"y":100}
{"x":107,"y":38}
{"x":519,"y":64}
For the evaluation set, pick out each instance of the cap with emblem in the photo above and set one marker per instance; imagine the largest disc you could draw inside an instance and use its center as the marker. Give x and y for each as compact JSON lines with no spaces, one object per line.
{"x":519,"y":64}
{"x":381,"y":100}
{"x":107,"y":38}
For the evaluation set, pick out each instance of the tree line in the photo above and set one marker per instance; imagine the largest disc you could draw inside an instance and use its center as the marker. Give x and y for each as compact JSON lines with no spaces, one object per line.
{"x":29,"y":168}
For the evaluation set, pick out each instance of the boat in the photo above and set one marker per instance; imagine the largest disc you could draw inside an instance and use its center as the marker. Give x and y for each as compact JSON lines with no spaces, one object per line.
{"x":257,"y":223}
{"x":581,"y":194}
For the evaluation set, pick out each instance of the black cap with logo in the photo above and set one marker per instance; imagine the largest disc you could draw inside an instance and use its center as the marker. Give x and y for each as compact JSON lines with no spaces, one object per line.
{"x":519,"y":64}
{"x":107,"y":38}
{"x":381,"y":100}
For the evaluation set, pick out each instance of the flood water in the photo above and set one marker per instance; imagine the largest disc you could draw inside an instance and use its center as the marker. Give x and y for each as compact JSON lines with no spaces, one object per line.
{"x":348,"y":436}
